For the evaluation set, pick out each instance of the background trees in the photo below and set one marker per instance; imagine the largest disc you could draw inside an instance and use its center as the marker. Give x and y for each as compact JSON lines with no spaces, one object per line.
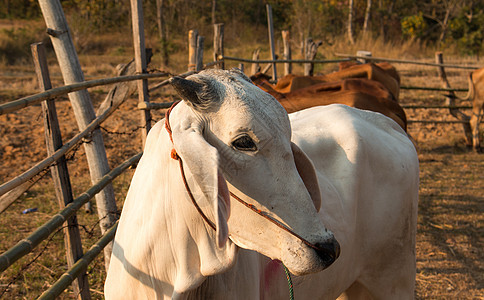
{"x":439,"y":22}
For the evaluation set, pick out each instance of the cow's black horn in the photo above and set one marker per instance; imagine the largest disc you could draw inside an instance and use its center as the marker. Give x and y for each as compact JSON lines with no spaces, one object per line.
{"x":187,"y":89}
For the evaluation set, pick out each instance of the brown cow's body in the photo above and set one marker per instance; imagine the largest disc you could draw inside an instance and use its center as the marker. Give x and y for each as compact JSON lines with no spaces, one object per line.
{"x":387,"y":67}
{"x":359,"y":93}
{"x":383,"y":73}
{"x":476,"y":95}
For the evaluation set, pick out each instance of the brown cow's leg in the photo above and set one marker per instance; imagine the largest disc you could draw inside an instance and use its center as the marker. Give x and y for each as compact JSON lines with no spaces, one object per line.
{"x":474,"y":122}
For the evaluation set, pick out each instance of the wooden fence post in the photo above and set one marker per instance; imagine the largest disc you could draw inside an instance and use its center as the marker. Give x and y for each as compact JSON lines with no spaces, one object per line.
{"x":287,"y":51}
{"x":141,"y":65}
{"x":192,"y":49}
{"x":59,"y":172}
{"x":310,"y":54}
{"x":450,"y":100}
{"x":83,"y":111}
{"x":199,"y":56}
{"x":363,"y":53}
{"x":255,"y":66}
{"x":271,"y":41}
{"x":218,"y":44}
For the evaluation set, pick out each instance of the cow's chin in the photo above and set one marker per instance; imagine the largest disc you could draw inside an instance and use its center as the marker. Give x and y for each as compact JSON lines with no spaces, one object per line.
{"x":299,"y":258}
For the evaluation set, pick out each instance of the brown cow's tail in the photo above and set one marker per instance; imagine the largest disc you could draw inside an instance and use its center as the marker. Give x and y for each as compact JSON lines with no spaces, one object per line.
{"x":472,"y":90}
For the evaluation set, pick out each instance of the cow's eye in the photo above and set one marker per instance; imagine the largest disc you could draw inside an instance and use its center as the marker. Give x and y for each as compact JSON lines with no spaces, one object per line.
{"x":244,"y":143}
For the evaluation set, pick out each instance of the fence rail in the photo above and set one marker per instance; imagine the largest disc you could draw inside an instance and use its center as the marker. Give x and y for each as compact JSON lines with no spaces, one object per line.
{"x":33,"y":171}
{"x":402,"y":61}
{"x":55,"y":92}
{"x":270,"y":61}
{"x":66,"y":279}
{"x":410,"y":106}
{"x":26,"y":245}
{"x":424,"y":88}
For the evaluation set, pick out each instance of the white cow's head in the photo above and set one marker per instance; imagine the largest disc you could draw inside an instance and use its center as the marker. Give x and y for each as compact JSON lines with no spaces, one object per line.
{"x":229,"y":131}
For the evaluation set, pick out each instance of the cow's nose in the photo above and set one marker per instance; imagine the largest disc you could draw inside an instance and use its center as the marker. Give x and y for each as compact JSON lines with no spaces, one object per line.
{"x":328,"y":251}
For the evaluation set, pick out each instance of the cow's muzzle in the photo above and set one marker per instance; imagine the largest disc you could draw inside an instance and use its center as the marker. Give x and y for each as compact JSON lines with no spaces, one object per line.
{"x":328,"y":251}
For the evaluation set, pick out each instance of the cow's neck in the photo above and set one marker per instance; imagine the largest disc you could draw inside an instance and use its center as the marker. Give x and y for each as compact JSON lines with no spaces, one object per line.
{"x":195,"y":253}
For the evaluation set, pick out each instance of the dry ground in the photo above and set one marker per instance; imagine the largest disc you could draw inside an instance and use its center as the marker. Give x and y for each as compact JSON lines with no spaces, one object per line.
{"x":450,"y":260}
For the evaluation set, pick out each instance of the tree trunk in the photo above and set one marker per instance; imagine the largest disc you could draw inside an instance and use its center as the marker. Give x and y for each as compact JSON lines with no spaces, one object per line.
{"x":350,"y":22}
{"x":162,"y":31}
{"x":445,"y":23}
{"x":214,"y":8}
{"x":367,"y":18}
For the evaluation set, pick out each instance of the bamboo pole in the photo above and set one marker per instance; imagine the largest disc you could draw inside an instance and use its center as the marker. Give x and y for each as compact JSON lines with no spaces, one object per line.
{"x":431,"y":89}
{"x":60,"y":174}
{"x":26,"y":245}
{"x":450,"y":99}
{"x":255,"y":57}
{"x":83,"y":109}
{"x":266,"y":69}
{"x":286,"y":40}
{"x":435,"y":106}
{"x":218,"y":44}
{"x":141,"y":64}
{"x":402,"y":61}
{"x":435,"y":121}
{"x":192,"y":49}
{"x":297,"y":61}
{"x":310,"y":54}
{"x":199,"y":56}
{"x":15,"y":105}
{"x":63,"y":282}
{"x":271,"y":41}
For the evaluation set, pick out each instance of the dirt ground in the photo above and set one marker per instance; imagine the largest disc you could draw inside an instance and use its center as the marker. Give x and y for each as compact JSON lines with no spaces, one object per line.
{"x":450,"y":260}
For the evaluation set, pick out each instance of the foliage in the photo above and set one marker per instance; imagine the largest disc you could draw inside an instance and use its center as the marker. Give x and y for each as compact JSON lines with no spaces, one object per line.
{"x":15,"y":44}
{"x":19,"y":9}
{"x":467,"y":29}
{"x":96,"y":16}
{"x":440,"y":23}
{"x":318,"y":19}
{"x":414,"y":26}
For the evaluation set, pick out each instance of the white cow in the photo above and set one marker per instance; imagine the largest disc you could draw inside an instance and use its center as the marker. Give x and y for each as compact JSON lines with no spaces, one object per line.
{"x":362,"y":171}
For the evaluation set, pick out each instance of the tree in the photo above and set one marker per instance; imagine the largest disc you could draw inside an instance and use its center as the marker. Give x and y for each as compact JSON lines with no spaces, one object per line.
{"x":162,"y":30}
{"x":367,"y":17}
{"x":350,"y":21}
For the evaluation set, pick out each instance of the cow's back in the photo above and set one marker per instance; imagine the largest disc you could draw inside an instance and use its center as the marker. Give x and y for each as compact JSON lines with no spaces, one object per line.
{"x":368,"y":173}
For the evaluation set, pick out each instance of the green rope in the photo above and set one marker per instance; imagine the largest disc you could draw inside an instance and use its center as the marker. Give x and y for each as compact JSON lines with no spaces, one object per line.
{"x":289,"y":282}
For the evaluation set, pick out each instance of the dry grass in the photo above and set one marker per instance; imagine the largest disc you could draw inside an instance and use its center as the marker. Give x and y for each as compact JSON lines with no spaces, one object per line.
{"x":450,"y":236}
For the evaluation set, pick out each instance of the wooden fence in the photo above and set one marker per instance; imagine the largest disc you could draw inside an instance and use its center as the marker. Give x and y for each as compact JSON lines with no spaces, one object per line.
{"x":11,"y":190}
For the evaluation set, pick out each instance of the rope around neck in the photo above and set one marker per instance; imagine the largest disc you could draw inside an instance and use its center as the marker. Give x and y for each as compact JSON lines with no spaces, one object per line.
{"x":289,"y":282}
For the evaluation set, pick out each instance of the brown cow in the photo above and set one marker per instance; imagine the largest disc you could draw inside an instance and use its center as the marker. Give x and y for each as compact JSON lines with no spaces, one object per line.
{"x":389,"y":79}
{"x":476,"y":95}
{"x":385,"y":66}
{"x":355,"y":92}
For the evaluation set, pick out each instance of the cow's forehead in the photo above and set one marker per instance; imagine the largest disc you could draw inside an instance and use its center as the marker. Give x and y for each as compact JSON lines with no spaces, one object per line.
{"x":242,"y":101}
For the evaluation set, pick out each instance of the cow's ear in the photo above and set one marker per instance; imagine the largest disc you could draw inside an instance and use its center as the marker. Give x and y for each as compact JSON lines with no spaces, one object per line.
{"x":202,"y":161}
{"x":307,"y":172}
